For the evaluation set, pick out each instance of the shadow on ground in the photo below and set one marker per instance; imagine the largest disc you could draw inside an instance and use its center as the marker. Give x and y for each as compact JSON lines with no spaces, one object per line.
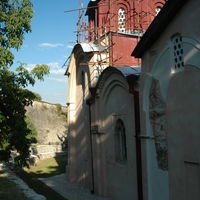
{"x":8,"y":188}
{"x":48,"y":167}
{"x":45,"y":168}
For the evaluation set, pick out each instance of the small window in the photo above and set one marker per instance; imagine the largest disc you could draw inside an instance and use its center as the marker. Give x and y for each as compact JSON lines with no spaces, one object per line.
{"x":178,"y":52}
{"x":121,"y":20}
{"x":120,"y":142}
{"x":158,"y":9}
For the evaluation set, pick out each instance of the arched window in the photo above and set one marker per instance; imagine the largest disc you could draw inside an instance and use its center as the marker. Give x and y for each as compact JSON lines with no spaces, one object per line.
{"x":158,"y":5}
{"x":120,"y":142}
{"x":121,"y":20}
{"x":158,"y":9}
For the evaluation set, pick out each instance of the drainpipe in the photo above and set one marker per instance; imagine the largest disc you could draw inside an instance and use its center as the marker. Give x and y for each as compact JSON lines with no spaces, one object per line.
{"x":138,"y":144}
{"x":132,"y":80}
{"x":89,"y":102}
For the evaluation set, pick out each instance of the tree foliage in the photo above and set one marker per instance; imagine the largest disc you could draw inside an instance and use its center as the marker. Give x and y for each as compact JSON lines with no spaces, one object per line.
{"x":15,"y":18}
{"x":37,"y":97}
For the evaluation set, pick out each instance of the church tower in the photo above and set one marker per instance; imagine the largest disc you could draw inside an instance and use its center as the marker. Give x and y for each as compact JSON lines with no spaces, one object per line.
{"x":118,"y":25}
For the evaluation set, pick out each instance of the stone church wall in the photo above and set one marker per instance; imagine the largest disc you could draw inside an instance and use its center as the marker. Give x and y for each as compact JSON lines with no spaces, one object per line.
{"x":170,"y":109}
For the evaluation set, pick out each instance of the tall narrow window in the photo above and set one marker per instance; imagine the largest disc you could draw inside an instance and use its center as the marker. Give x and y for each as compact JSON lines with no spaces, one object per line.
{"x":120,"y":142}
{"x":121,"y":20}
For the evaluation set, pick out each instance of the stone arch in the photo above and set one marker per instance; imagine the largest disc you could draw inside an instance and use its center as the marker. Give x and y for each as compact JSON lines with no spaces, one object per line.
{"x":78,"y":114}
{"x":113,"y":101}
{"x":156,"y":90}
{"x":78,"y":64}
{"x":183,"y":125}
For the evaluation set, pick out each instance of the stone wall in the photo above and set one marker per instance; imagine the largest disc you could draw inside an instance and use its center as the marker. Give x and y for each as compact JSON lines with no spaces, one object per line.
{"x":47,"y":151}
{"x":50,"y":122}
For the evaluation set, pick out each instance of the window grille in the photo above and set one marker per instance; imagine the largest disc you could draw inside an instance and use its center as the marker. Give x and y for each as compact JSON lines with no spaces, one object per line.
{"x":121,"y":20}
{"x":178,"y":52}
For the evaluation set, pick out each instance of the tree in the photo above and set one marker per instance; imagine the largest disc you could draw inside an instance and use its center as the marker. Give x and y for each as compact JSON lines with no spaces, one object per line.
{"x":37,"y":96}
{"x":15,"y":18}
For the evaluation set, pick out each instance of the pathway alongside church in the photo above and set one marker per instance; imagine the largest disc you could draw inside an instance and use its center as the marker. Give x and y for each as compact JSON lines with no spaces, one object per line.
{"x":59,"y":183}
{"x":29,"y":193}
{"x":71,"y":191}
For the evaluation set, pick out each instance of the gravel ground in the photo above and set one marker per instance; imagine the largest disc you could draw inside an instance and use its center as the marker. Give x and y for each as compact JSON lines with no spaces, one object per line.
{"x":31,"y":194}
{"x":71,"y":191}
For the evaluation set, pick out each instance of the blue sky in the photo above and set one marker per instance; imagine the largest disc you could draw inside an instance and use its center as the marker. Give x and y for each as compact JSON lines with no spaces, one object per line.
{"x":49,"y":43}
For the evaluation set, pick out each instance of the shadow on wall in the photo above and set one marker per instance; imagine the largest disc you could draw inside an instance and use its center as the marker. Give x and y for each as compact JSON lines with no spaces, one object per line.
{"x":92,"y":156}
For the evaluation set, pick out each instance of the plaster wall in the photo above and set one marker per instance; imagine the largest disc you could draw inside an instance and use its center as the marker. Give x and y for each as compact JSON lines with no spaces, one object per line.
{"x":177,"y":96}
{"x":84,"y":71}
{"x":185,"y":23}
{"x":183,"y":112}
{"x":79,"y":162}
{"x":117,"y":180}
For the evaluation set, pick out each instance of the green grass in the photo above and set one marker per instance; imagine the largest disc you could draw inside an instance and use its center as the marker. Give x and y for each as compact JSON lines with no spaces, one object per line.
{"x":8,"y":189}
{"x":45,"y":168}
{"x":48,"y":167}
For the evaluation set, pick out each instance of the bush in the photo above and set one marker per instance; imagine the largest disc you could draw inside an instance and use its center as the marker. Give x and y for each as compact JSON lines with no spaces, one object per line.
{"x":37,"y":96}
{"x":33,"y":131}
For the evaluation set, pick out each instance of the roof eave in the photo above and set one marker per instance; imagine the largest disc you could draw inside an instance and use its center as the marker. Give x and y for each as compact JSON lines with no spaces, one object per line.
{"x":157,"y":27}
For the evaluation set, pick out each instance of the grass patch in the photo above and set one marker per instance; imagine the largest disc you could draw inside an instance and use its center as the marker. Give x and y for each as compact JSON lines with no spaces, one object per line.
{"x":45,"y":168}
{"x":39,"y":186}
{"x":48,"y":167}
{"x":9,"y":190}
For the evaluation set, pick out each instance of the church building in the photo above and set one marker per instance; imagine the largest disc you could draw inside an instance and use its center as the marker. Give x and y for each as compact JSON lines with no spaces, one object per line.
{"x":107,"y":151}
{"x":170,"y":96}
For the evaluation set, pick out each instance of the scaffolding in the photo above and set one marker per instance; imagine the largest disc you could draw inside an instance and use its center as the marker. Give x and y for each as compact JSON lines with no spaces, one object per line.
{"x":84,"y":33}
